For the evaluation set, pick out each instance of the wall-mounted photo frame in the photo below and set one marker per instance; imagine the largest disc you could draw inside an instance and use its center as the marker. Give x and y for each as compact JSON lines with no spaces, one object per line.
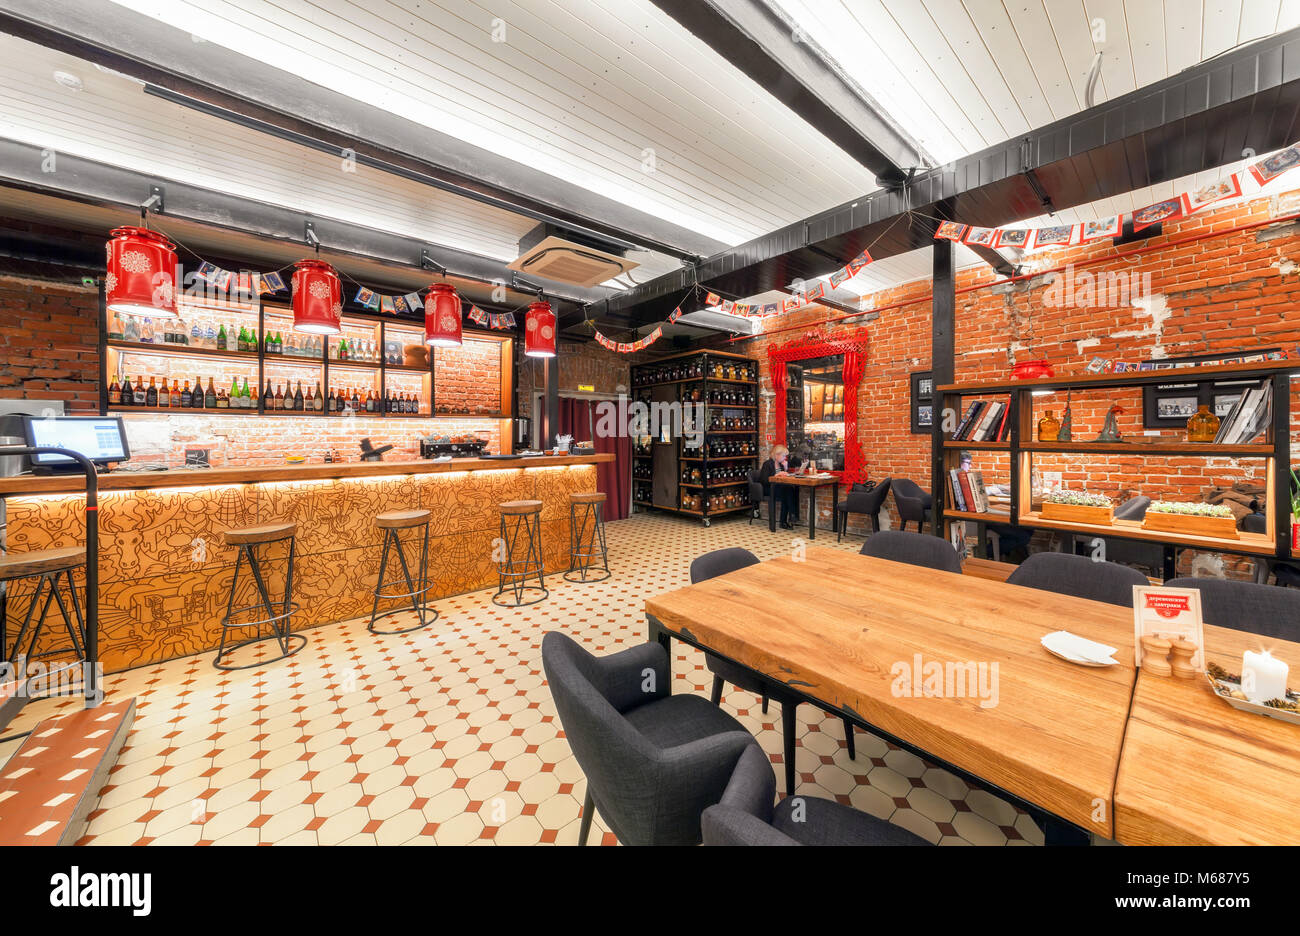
{"x":922,"y":416}
{"x":1168,"y":406}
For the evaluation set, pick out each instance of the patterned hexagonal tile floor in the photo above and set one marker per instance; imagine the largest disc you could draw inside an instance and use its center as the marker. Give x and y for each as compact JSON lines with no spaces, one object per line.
{"x":448,"y":735}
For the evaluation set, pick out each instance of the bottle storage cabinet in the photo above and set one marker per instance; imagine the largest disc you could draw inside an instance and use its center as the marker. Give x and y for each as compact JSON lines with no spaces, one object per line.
{"x":701,"y":442}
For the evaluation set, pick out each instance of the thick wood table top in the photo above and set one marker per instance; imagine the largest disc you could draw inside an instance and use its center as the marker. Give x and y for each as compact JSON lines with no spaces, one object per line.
{"x":191,"y":477}
{"x":804,"y":480}
{"x":839,"y":627}
{"x":1197,"y":771}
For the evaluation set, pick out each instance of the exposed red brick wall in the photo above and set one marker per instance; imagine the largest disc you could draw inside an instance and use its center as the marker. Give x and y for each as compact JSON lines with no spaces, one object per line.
{"x":1235,"y":292}
{"x":469,"y":377}
{"x":48,"y":341}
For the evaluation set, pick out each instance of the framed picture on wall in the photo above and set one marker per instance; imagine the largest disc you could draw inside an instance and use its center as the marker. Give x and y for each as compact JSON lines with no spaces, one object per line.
{"x":922,"y":402}
{"x":1168,"y":406}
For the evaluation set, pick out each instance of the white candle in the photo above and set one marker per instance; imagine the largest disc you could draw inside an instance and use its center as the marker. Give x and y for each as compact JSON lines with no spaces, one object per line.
{"x":1263,"y":677}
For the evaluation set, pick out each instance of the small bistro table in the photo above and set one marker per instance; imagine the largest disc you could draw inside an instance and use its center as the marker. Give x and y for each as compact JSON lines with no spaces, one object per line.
{"x":812,"y":483}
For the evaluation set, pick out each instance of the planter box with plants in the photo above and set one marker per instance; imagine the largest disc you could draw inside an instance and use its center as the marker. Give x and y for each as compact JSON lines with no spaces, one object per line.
{"x":1078,"y":507}
{"x":1191,"y":519}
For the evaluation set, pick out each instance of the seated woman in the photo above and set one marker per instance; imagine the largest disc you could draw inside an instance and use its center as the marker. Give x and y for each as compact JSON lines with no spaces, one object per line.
{"x":781,"y":461}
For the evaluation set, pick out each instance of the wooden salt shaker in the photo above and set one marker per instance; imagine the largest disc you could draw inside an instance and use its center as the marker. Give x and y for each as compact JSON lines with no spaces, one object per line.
{"x":1180,"y":659}
{"x":1155,"y":655}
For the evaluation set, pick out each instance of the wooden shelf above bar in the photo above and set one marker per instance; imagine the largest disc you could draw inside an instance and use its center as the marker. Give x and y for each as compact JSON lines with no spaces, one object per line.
{"x":205,"y":477}
{"x":990,"y":446}
{"x":1128,"y":378}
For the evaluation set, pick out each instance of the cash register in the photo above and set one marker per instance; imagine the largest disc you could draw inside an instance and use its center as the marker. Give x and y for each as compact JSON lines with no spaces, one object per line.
{"x":102,"y":439}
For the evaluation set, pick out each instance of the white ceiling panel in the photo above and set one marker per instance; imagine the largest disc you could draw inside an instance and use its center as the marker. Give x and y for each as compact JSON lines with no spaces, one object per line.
{"x":612,"y":95}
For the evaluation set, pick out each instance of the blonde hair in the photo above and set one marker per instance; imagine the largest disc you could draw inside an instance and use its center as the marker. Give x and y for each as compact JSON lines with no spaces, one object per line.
{"x":778,"y":451}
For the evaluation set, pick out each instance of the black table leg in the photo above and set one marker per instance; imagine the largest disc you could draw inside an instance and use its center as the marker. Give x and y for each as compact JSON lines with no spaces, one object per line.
{"x":812,"y":513}
{"x":835,"y":508}
{"x":771,"y":507}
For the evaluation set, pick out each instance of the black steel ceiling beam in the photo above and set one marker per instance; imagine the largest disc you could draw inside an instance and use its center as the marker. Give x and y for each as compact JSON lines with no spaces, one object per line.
{"x":1202,"y":118}
{"x":229,"y":83}
{"x":97,"y":183}
{"x":771,"y":49}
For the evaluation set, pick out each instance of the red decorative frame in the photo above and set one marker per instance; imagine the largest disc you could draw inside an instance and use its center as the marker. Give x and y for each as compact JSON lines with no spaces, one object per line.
{"x":813,"y":345}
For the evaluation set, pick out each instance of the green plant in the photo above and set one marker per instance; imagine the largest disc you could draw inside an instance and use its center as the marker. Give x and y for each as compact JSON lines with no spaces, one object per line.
{"x":1077,"y":499}
{"x":1188,"y":509}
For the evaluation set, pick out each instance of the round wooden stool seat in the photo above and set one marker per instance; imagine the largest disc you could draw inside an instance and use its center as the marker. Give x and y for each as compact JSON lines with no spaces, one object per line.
{"x":521,"y":507}
{"x":401,"y":519}
{"x":595,"y":497}
{"x":40,"y":561}
{"x":259,"y":534}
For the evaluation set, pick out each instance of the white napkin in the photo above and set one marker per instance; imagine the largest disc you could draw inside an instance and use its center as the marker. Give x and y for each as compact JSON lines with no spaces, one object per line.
{"x":1072,"y":645}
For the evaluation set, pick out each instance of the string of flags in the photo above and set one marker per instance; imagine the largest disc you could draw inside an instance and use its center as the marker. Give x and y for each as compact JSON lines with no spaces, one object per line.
{"x":1171,"y":209}
{"x":808,"y":297}
{"x":250,"y":283}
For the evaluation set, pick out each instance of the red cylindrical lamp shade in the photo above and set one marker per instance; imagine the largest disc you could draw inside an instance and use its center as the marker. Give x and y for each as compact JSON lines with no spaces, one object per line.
{"x":442,"y":316}
{"x":141,"y":277}
{"x":317,"y":298}
{"x":539,"y":331}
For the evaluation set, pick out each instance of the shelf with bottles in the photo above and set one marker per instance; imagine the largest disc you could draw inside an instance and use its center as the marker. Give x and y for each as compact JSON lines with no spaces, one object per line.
{"x":406,"y":393}
{"x":359,"y":343}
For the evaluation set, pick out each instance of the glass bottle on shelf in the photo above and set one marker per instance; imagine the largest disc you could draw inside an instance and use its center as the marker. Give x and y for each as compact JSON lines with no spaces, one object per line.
{"x":1048,"y":427}
{"x":164,"y":395}
{"x":210,"y":397}
{"x":187,"y":399}
{"x":318,"y":400}
{"x":131,"y":330}
{"x":250,"y":399}
{"x":1202,"y":426}
{"x":298,"y":398}
{"x":246,"y":395}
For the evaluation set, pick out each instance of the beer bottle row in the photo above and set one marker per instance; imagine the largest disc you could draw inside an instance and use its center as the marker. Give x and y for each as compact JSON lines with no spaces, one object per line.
{"x":281,"y":397}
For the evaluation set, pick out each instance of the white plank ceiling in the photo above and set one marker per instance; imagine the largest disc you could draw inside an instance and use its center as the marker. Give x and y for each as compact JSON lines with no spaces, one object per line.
{"x":581,"y":89}
{"x":961,"y":75}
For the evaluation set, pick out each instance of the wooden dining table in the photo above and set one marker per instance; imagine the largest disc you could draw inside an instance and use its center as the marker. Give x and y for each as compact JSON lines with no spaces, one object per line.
{"x":1195,"y":771}
{"x":811,"y":483}
{"x":848,"y":632}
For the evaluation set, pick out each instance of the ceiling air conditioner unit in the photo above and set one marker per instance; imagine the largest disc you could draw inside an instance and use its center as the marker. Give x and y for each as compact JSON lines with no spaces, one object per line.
{"x":722,"y":321}
{"x":553,"y":253}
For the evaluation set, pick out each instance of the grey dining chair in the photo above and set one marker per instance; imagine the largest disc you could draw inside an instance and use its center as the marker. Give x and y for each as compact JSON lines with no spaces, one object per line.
{"x":1267,"y":610}
{"x":1080,"y":576}
{"x":653,"y":761}
{"x":720,"y":562}
{"x":746,"y":815}
{"x":916,"y":549}
{"x":1135,"y":508}
{"x":913,"y":502}
{"x":755,"y":495}
{"x":866,"y":499}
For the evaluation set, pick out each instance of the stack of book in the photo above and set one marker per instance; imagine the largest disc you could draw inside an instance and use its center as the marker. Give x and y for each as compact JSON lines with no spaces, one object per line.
{"x":966,"y":491}
{"x":985,"y":421}
{"x":1248,"y":417}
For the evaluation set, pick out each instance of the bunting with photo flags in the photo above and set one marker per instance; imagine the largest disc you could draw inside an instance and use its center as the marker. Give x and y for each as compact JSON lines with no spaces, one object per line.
{"x":1263,"y":172}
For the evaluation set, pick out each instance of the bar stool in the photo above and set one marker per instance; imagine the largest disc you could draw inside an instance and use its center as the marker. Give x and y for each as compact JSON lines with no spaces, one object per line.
{"x":247,"y":540}
{"x":584,"y":549}
{"x":47,"y":566}
{"x":514,"y":571}
{"x":391,"y":523}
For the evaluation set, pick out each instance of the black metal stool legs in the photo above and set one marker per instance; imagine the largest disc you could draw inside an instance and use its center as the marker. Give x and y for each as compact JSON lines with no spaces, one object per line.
{"x":418,"y":595}
{"x":288,"y":643}
{"x":513,"y":573}
{"x":584,"y":550}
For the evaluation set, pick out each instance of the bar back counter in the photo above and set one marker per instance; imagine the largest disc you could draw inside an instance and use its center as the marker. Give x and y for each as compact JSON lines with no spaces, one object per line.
{"x":164,"y":572}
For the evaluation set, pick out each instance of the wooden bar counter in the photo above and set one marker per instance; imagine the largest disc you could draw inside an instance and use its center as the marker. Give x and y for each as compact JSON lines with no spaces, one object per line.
{"x":164,"y":572}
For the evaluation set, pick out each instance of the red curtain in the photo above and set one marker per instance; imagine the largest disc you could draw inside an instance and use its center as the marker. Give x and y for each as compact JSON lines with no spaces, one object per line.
{"x":613,"y":479}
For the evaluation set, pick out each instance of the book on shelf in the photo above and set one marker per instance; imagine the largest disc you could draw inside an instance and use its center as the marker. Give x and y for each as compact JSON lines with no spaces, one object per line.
{"x":954,"y":489}
{"x":1249,"y":415}
{"x":988,"y":425}
{"x":960,"y":432}
{"x":977,"y":489}
{"x":967,"y":491}
{"x":985,"y":421}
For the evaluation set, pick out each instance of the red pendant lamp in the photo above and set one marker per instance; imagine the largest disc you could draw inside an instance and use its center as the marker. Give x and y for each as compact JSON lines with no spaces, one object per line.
{"x":141,"y":277}
{"x":317,"y":298}
{"x":442,"y":316}
{"x":539,"y":331}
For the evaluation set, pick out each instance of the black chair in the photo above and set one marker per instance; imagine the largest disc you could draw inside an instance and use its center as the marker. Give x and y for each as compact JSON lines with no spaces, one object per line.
{"x":1287,"y":573}
{"x":863,"y":499}
{"x":1080,"y":576}
{"x":914,"y":504}
{"x":1135,"y":508}
{"x":1267,"y":610}
{"x":653,"y":761}
{"x":755,"y":495}
{"x":720,"y":562}
{"x":913,"y":548}
{"x":746,"y":816}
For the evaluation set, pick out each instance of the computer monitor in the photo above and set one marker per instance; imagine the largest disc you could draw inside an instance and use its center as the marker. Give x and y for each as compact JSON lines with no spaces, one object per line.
{"x":102,"y":439}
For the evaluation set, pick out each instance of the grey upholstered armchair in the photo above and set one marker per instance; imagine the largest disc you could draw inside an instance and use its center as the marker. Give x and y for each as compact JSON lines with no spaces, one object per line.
{"x":864,"y":500}
{"x":914,"y":504}
{"x":1267,"y":610}
{"x":653,"y":761}
{"x":746,"y":816}
{"x":1080,"y":576}
{"x":915,"y":549}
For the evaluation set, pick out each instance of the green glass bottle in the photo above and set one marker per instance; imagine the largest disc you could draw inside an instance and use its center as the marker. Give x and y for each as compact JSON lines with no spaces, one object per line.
{"x":221,"y":338}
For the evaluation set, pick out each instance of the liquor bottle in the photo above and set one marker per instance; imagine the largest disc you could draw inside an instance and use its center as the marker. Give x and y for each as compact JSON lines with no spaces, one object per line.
{"x":131,"y":331}
{"x":223,"y":400}
{"x":221,"y":338}
{"x":318,"y":400}
{"x":269,"y":395}
{"x":241,"y":341}
{"x":246,"y":396}
{"x":164,"y":395}
{"x":309,"y":402}
{"x":138,"y":392}
{"x":298,"y":398}
{"x":232,"y":395}
{"x":331,"y":402}
{"x":210,"y":398}
{"x":356,"y":401}
{"x":114,"y":393}
{"x":279,"y":397}
{"x":370,"y":402}
{"x":250,"y":399}
{"x":187,"y":399}
{"x":343,"y":349}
